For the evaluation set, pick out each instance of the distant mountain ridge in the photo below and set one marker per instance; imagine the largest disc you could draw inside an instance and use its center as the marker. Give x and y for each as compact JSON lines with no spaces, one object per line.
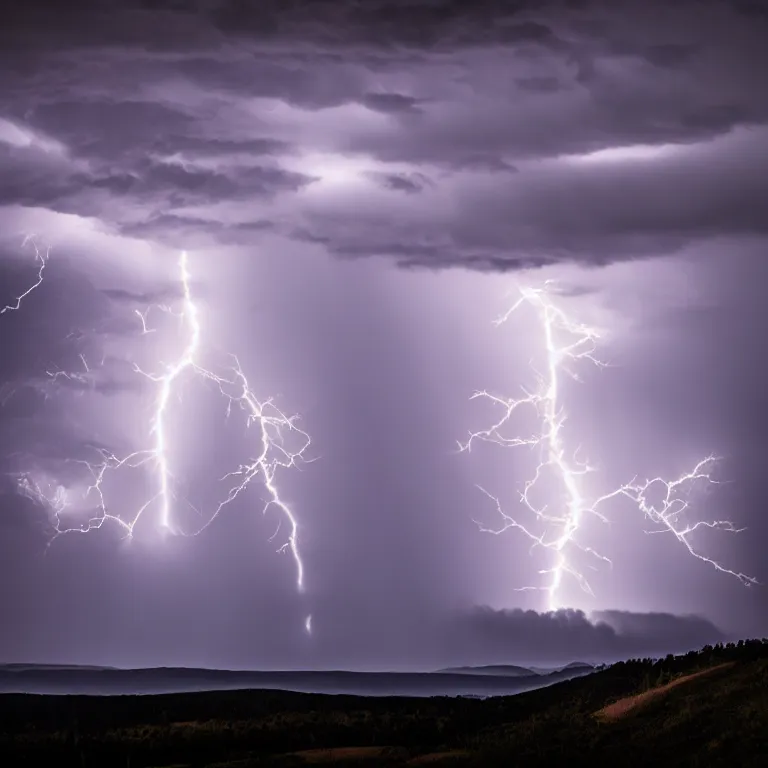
{"x":512,"y":670}
{"x":22,"y":667}
{"x":500,"y":670}
{"x":55,"y":679}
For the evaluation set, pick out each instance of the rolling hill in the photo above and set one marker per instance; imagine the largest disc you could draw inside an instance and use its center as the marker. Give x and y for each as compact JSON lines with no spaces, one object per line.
{"x":706,"y":708}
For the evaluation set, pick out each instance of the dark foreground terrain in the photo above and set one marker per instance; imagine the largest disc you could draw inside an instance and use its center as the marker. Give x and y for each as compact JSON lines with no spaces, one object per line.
{"x":707,"y":708}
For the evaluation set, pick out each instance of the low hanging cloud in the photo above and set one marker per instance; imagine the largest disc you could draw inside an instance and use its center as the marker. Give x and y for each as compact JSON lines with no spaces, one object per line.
{"x":568,"y":635}
{"x":484,"y":635}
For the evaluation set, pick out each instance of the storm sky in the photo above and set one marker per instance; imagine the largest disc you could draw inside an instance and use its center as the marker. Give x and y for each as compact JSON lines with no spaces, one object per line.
{"x":361,"y":187}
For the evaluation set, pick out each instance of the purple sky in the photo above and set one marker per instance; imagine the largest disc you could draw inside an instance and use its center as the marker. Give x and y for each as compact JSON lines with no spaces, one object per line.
{"x":360,"y":186}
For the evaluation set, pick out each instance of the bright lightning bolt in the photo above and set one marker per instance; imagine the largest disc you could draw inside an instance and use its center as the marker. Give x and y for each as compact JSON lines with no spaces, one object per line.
{"x":167,"y":382}
{"x":273,"y":454}
{"x":567,"y":343}
{"x":41,"y":257}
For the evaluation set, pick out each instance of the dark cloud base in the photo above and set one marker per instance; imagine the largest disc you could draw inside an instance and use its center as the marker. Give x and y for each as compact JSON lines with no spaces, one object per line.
{"x":567,"y":635}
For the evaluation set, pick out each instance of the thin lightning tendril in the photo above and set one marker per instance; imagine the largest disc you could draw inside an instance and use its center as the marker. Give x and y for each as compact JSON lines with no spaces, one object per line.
{"x":41,"y":257}
{"x":272,"y":425}
{"x":559,"y":529}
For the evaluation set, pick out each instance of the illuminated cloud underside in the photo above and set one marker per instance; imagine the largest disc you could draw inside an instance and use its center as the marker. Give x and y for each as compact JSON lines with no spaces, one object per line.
{"x":559,"y":527}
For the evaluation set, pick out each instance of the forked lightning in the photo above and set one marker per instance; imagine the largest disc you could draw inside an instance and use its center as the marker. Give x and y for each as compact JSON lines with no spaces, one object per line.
{"x":271,"y":423}
{"x":561,"y":529}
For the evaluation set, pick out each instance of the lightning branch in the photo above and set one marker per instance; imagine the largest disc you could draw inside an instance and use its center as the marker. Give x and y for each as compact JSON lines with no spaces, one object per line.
{"x":272,"y":429}
{"x":561,"y":528}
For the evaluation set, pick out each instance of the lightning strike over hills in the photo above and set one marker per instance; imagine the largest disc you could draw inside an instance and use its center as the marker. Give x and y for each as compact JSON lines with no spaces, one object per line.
{"x":663,"y":502}
{"x":273,"y":427}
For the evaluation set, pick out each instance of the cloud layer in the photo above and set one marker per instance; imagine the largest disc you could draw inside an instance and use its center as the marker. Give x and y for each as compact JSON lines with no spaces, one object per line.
{"x":490,"y":135}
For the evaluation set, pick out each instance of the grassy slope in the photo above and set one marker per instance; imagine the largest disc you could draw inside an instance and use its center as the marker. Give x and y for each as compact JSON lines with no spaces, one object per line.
{"x":719,"y":718}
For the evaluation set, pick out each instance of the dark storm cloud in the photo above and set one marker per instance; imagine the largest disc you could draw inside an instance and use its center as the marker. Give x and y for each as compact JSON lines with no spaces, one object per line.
{"x":390,"y":103}
{"x":106,"y":128}
{"x":481,"y":635}
{"x":29,"y":179}
{"x":538,"y":84}
{"x":567,"y":635}
{"x":107,"y":191}
{"x":555,"y":80}
{"x":401,"y":182}
{"x":93,"y":23}
{"x":172,"y":230}
{"x":294,"y":78}
{"x":589,"y":211}
{"x":184,"y":185}
{"x":212,"y":147}
{"x":669,"y":55}
{"x":751,"y":8}
{"x":661,"y":630}
{"x":481,"y":162}
{"x":332,"y":22}
{"x":418,"y":24}
{"x":613,"y":119}
{"x":191,"y":24}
